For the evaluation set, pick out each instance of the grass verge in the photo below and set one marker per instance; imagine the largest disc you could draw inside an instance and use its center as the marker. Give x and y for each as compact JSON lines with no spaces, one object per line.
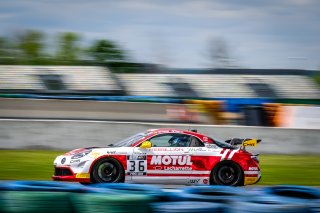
{"x":290,"y":169}
{"x":27,"y":164}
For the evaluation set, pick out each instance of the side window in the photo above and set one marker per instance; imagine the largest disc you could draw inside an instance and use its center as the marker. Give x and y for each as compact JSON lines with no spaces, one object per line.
{"x":170,"y":140}
{"x":161,"y":140}
{"x":195,"y":142}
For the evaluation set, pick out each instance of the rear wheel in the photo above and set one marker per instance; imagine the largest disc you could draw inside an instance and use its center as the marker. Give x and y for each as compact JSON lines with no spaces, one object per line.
{"x":227,"y":173}
{"x":107,"y":171}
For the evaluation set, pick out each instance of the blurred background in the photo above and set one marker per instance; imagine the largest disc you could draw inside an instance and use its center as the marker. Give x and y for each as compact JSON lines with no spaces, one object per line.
{"x":75,"y":74}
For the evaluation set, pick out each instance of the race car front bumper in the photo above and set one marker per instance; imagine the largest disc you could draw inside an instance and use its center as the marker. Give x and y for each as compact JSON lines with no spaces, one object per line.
{"x":66,"y":174}
{"x":73,"y":170}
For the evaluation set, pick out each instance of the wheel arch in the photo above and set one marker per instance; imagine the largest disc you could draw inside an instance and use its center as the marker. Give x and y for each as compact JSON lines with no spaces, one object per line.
{"x":107,"y":157}
{"x":211,"y":182}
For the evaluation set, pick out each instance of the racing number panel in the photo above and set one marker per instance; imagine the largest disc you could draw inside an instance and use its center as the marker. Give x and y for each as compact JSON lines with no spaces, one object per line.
{"x":137,"y":165}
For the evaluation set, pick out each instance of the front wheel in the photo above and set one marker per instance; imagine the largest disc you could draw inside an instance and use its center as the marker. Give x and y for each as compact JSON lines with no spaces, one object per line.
{"x":107,"y":171}
{"x":228,"y":174}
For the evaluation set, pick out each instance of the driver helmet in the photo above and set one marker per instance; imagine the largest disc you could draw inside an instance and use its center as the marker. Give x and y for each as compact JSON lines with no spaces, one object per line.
{"x":178,"y":141}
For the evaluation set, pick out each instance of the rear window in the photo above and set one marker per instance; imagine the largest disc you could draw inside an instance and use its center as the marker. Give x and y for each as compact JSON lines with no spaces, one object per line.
{"x":223,"y":144}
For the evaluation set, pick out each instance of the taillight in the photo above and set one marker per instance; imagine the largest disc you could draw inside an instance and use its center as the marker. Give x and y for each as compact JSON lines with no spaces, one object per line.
{"x":255,"y":158}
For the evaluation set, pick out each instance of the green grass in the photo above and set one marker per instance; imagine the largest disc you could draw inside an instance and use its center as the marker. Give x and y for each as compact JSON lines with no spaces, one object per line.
{"x":290,"y":169}
{"x":27,"y":164}
{"x":276,"y":169}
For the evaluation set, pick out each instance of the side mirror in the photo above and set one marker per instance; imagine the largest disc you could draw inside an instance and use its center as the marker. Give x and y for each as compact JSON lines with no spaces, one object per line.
{"x":146,"y":145}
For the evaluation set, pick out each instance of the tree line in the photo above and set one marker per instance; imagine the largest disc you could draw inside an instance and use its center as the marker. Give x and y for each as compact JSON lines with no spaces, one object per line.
{"x":31,"y":47}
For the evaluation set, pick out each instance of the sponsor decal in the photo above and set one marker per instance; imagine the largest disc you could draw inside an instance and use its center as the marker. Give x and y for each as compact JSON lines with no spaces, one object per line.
{"x":251,"y":172}
{"x":142,"y":157}
{"x":75,"y":161}
{"x":95,"y":154}
{"x":252,"y":142}
{"x":119,"y":152}
{"x":136,"y":157}
{"x":177,"y":168}
{"x":169,"y":131}
{"x":205,"y":138}
{"x":167,"y":149}
{"x":136,"y":173}
{"x":197,"y":149}
{"x":253,"y":168}
{"x":81,"y":154}
{"x":194,"y":181}
{"x":205,"y":181}
{"x":212,"y":146}
{"x":171,"y":160}
{"x":157,"y":167}
{"x":63,"y":160}
{"x":83,"y":175}
{"x":111,"y":152}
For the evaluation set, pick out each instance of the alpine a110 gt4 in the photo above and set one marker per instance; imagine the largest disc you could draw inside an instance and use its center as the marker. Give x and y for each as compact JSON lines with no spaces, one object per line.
{"x":163,"y":156}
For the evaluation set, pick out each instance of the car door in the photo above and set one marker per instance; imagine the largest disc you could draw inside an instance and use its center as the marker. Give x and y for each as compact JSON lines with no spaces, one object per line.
{"x":168,"y":160}
{"x":201,"y":157}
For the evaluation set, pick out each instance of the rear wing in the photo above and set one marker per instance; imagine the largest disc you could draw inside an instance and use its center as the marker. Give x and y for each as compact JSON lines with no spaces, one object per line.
{"x":243,"y":142}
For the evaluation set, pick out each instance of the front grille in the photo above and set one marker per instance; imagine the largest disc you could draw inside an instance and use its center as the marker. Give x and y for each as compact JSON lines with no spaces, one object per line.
{"x":62,"y":172}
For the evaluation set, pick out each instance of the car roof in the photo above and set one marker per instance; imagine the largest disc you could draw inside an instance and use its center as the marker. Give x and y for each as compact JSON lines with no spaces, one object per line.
{"x":203,"y":137}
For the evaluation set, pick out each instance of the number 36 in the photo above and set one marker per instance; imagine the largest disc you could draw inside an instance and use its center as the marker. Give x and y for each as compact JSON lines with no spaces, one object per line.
{"x":136,"y":166}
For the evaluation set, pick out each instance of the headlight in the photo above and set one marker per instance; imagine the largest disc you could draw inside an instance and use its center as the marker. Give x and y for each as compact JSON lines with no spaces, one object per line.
{"x":81,"y":154}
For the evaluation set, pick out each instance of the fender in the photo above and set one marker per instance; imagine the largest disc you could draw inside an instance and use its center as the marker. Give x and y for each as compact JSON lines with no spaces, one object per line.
{"x":120,"y":158}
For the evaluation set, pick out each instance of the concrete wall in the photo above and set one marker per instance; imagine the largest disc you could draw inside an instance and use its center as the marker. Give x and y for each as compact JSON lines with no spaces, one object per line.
{"x":66,"y":135}
{"x":74,"y":109}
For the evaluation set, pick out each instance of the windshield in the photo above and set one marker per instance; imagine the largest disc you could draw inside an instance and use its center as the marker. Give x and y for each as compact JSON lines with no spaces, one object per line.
{"x":131,"y":140}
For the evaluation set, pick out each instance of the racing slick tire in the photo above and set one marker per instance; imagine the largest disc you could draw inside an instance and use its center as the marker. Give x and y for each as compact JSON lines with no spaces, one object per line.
{"x":107,"y":170}
{"x":227,"y":173}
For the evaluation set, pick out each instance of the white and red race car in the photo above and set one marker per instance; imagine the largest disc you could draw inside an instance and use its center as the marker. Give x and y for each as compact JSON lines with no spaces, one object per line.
{"x":163,"y":156}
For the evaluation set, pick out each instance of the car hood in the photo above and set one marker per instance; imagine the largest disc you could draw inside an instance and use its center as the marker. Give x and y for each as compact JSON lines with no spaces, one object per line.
{"x":77,"y":151}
